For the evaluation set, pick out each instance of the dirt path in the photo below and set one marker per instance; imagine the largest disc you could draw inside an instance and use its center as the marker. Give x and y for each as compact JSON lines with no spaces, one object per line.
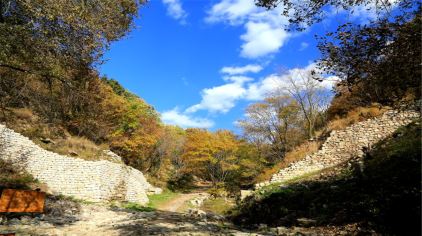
{"x":175,"y":204}
{"x":103,"y":220}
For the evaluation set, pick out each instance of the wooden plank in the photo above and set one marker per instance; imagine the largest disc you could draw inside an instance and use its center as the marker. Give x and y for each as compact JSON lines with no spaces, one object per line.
{"x":13,"y":200}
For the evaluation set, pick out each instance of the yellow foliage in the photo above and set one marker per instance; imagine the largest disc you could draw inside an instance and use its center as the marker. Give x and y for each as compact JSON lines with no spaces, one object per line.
{"x":210,"y":155}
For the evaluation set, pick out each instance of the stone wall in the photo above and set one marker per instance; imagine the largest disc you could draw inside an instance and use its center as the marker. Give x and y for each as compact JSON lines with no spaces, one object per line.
{"x":344,"y":144}
{"x":89,"y":180}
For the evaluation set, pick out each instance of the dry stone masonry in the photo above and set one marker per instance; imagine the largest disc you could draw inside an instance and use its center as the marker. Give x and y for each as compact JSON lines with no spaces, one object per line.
{"x":89,"y":180}
{"x":344,"y":144}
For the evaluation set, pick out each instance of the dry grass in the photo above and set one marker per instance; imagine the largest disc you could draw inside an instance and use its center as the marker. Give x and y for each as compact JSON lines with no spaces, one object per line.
{"x":356,"y":115}
{"x":81,"y":146}
{"x":298,"y":153}
{"x":23,"y":114}
{"x":24,"y":121}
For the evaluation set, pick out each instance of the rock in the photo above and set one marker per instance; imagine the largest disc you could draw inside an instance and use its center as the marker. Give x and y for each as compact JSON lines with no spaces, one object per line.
{"x":196,"y":213}
{"x":306,"y":222}
{"x":47,"y":141}
{"x":245,"y":193}
{"x":281,"y":230}
{"x":154,"y":190}
{"x":73,"y":153}
{"x":14,"y":221}
{"x":262,"y":227}
{"x":113,"y":156}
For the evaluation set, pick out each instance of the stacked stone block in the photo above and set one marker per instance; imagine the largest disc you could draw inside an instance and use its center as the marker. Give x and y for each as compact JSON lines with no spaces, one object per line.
{"x":342,"y":145}
{"x":89,"y":180}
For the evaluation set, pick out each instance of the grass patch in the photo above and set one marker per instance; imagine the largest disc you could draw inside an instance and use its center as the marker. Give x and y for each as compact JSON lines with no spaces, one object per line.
{"x":218,"y":205}
{"x":84,"y":148}
{"x":157,"y":200}
{"x":136,"y":207}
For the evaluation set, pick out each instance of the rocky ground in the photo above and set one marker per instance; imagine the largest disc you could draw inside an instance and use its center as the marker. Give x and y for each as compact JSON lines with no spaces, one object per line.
{"x":64,"y":217}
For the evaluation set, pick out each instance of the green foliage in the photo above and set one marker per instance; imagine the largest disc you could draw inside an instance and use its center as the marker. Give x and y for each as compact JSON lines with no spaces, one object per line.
{"x":60,"y":39}
{"x":386,"y":194}
{"x":379,"y":62}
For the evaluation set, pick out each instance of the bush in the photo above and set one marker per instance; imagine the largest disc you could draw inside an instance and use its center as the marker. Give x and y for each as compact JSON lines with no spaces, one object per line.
{"x":218,"y":191}
{"x":181,"y":183}
{"x":13,"y":176}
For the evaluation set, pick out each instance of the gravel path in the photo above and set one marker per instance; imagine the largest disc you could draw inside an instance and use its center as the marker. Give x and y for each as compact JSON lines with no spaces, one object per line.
{"x":175,"y":204}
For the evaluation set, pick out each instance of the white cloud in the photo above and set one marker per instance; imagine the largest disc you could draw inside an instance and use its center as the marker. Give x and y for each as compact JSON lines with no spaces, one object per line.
{"x":265,"y":33}
{"x":221,"y":98}
{"x":262,"y":39}
{"x":175,"y":117}
{"x":258,"y":90}
{"x":232,"y":11}
{"x":241,"y":70}
{"x":175,"y":10}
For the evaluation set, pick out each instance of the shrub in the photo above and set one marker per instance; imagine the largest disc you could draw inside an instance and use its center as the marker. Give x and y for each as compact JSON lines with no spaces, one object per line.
{"x":13,"y":176}
{"x":181,"y":183}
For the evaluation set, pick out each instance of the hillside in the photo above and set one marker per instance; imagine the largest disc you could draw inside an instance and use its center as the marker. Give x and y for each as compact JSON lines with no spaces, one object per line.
{"x":377,"y":193}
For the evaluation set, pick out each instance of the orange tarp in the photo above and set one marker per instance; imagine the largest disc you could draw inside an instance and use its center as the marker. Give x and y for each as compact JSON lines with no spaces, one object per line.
{"x":13,"y":200}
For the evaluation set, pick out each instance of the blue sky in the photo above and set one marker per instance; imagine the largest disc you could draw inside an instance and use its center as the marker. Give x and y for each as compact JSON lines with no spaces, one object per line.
{"x":200,"y":63}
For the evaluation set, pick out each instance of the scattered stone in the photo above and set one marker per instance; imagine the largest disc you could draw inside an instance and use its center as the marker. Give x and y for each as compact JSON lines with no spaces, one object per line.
{"x":196,"y":213}
{"x":306,"y":222}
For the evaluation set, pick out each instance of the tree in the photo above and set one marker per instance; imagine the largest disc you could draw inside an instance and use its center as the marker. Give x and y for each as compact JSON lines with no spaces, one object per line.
{"x":379,"y":62}
{"x":275,"y":122}
{"x":309,"y":94}
{"x":56,"y":39}
{"x":168,"y":153}
{"x":50,"y":49}
{"x":210,"y":155}
{"x":302,"y":14}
